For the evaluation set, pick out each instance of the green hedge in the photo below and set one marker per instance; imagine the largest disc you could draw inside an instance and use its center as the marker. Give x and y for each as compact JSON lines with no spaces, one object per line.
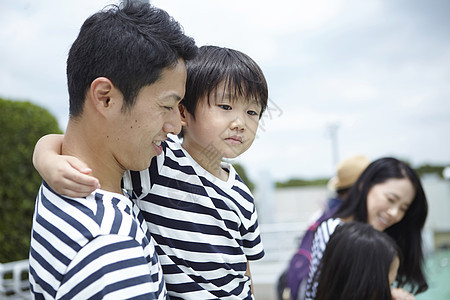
{"x":21,"y":125}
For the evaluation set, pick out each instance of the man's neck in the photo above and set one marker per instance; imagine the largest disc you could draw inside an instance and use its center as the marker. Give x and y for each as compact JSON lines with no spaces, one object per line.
{"x":89,"y":146}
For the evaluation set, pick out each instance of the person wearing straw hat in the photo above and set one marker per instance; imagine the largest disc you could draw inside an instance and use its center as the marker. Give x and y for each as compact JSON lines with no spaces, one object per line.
{"x":347,"y":172}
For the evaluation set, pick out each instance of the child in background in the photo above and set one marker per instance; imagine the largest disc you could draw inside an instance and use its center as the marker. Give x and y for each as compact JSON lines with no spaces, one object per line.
{"x":359,"y":262}
{"x":198,"y":210}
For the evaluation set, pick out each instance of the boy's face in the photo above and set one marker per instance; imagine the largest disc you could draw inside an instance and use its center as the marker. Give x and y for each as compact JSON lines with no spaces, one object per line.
{"x":138,"y":132}
{"x":226,"y":127}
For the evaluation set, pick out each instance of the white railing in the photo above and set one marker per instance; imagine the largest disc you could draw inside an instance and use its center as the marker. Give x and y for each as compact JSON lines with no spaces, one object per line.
{"x":280,"y":241}
{"x":14,"y":280}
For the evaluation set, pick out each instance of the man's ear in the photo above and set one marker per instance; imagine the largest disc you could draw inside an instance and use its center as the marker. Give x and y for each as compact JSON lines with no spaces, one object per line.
{"x":102,"y":94}
{"x":183,"y":113}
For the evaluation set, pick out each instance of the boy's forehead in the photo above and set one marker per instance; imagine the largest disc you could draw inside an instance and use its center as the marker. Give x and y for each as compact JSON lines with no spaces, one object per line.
{"x":232,"y":93}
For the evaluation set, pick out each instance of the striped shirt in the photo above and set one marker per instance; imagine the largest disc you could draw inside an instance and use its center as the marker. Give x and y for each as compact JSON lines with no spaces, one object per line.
{"x":321,"y":238}
{"x":95,"y":247}
{"x":205,"y":229}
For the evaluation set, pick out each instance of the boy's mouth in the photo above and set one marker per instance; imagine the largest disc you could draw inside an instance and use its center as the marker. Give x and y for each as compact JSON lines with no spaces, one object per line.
{"x":235,"y":139}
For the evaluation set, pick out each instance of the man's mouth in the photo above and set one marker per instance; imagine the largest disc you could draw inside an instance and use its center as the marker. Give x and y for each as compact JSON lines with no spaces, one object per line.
{"x":157,"y":147}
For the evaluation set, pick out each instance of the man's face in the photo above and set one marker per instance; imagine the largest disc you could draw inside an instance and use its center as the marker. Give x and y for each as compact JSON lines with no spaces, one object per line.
{"x":137,"y":133}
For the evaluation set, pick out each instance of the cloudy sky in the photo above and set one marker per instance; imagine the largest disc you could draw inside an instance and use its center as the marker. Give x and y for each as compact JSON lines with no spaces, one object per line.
{"x":376,"y":73}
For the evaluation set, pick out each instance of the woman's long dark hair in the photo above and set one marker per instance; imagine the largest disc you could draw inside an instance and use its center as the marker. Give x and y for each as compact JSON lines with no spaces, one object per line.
{"x":408,"y":232}
{"x":356,"y":264}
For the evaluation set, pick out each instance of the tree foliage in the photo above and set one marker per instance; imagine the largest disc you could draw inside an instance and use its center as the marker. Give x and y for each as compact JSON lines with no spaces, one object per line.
{"x":430,"y":169}
{"x":297,"y":182}
{"x":241,"y":171}
{"x":21,"y":125}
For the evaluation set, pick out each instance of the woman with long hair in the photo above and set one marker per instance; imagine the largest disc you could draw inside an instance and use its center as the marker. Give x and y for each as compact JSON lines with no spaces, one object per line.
{"x":389,"y":196}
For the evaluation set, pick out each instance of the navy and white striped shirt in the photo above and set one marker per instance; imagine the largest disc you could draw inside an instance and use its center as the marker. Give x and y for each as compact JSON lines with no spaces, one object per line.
{"x":205,"y":229}
{"x":93,"y":247}
{"x":321,"y":238}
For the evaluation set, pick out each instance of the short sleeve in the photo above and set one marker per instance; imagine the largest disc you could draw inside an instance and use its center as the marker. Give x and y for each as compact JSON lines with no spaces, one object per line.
{"x":253,"y":246}
{"x":111,"y":267}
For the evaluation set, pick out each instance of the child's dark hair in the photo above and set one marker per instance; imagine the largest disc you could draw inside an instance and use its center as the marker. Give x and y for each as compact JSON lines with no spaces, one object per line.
{"x":356,"y":263}
{"x":130,"y":45}
{"x":213,"y":65}
{"x":408,"y":232}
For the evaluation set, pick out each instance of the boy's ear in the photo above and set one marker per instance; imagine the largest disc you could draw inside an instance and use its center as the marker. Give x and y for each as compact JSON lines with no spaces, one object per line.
{"x":183,"y":112}
{"x":102,"y":94}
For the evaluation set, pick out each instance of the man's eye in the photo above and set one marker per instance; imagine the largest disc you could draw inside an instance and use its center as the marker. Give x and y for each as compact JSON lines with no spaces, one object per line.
{"x":168,"y":107}
{"x":224,"y":106}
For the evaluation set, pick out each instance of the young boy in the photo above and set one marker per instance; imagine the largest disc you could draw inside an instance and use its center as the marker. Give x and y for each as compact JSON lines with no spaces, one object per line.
{"x":99,"y":247}
{"x":198,"y":210}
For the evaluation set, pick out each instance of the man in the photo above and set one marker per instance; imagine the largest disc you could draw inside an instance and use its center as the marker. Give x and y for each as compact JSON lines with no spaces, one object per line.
{"x":126,"y":76}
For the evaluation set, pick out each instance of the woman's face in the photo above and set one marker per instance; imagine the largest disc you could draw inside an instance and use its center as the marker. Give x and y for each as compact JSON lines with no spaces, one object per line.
{"x":387,"y":202}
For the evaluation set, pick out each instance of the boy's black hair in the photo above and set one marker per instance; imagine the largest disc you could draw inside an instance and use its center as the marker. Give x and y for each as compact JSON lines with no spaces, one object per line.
{"x":356,"y":263}
{"x":408,"y":232}
{"x":213,"y":65}
{"x":130,"y":45}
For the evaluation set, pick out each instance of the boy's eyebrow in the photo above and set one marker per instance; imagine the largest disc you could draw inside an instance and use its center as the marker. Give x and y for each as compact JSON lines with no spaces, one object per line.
{"x":233,"y":96}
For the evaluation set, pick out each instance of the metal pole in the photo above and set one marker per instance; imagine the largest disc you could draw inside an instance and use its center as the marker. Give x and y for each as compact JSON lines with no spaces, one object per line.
{"x":333,"y":132}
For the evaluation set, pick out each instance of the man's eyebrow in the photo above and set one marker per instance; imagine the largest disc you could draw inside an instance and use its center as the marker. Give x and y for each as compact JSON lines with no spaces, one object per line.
{"x":173,"y":96}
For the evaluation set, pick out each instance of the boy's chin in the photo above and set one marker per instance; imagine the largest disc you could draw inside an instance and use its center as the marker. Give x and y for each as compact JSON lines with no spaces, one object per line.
{"x":230,"y":156}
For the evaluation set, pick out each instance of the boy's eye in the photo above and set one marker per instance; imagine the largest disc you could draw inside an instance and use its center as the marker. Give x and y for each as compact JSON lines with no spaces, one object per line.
{"x":252,"y":113}
{"x":224,"y":106}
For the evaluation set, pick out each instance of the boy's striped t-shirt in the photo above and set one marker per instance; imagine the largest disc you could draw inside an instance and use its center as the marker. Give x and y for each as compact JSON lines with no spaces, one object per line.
{"x":95,"y":247}
{"x":205,"y":229}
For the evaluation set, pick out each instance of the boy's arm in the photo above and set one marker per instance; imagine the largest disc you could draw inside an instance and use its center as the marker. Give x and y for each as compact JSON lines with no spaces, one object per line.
{"x":66,"y":175}
{"x":249,"y":274}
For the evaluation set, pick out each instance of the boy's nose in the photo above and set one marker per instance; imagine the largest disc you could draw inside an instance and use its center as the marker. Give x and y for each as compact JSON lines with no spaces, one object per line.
{"x":238,"y":123}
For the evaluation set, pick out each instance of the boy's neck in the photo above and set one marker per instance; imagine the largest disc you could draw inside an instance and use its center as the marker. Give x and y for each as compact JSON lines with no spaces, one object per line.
{"x":208,"y":160}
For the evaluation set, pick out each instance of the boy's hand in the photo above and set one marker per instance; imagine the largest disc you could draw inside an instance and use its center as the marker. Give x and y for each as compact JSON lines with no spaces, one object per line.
{"x":70,"y":177}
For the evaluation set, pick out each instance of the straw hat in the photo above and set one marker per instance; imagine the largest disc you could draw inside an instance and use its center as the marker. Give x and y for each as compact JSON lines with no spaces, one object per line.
{"x":348,"y":171}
